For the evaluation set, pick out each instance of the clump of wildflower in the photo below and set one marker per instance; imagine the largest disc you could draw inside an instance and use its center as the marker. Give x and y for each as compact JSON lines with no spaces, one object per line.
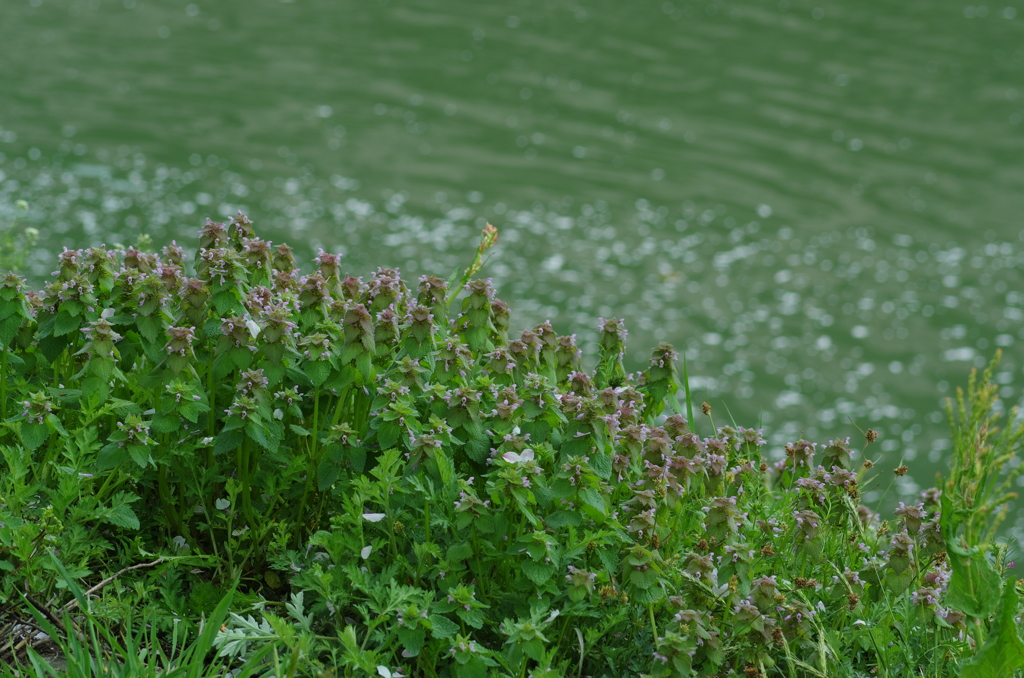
{"x":102,"y":338}
{"x":38,"y":407}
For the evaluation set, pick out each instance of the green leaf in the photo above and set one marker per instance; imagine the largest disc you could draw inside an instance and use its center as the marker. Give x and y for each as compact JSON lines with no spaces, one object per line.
{"x":387,"y":434}
{"x":318,"y":371}
{"x":1003,"y":653}
{"x":111,"y":456}
{"x":34,"y":435}
{"x":594,"y":499}
{"x":365,"y":366}
{"x":326,"y":474}
{"x":609,"y":559}
{"x":459,"y":552}
{"x":94,"y":386}
{"x":412,"y":640}
{"x":65,"y":323}
{"x":563,"y":518}
{"x":653,"y":594}
{"x":474,"y":668}
{"x":442,"y":627}
{"x":602,"y":464}
{"x":299,"y":431}
{"x":974,"y":584}
{"x":227,"y":441}
{"x":121,"y":514}
{"x":165,"y":423}
{"x":140,"y":455}
{"x":9,"y":327}
{"x":478,"y":448}
{"x":102,"y":367}
{"x":643,"y":579}
{"x":538,"y":573}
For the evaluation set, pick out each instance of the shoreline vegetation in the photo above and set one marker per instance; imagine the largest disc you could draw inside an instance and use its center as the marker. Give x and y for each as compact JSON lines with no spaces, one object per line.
{"x":254,"y":471}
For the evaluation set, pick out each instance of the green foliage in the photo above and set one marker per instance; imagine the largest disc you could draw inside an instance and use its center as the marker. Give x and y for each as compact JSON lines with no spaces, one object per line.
{"x":344,"y":477}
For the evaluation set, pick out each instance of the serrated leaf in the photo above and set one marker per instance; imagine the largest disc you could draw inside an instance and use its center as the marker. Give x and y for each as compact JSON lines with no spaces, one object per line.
{"x":412,"y":640}
{"x":318,"y":371}
{"x":227,"y":441}
{"x":111,"y":456}
{"x":609,"y":559}
{"x":974,"y":584}
{"x":121,"y":514}
{"x":536,"y":572}
{"x":473,"y":617}
{"x":326,"y":473}
{"x":459,"y":552}
{"x":442,"y":627}
{"x":9,"y":327}
{"x":594,"y":499}
{"x":643,"y":579}
{"x":1003,"y":652}
{"x":140,"y":455}
{"x":647,"y":596}
{"x":387,"y":434}
{"x":165,"y":423}
{"x":602,"y":464}
{"x":563,"y":518}
{"x":34,"y":435}
{"x":65,"y":323}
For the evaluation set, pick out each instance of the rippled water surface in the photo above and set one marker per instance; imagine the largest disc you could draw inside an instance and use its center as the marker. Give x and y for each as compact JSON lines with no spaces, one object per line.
{"x":819,"y":202}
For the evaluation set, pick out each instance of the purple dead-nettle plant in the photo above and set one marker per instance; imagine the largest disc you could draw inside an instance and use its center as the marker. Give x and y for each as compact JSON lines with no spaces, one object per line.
{"x":38,"y":407}
{"x":276,"y":323}
{"x":814,"y":491}
{"x":800,"y":453}
{"x":180,"y":342}
{"x":723,"y":518}
{"x":239,"y":330}
{"x":385,"y":289}
{"x":500,"y":362}
{"x":289,"y":397}
{"x":808,"y":523}
{"x":912,"y":517}
{"x":252,"y":383}
{"x":179,"y":391}
{"x":468,"y":501}
{"x":144,"y":262}
{"x":432,"y":291}
{"x":315,"y":347}
{"x":506,"y":403}
{"x":171,"y":276}
{"x":135,"y":430}
{"x":258,"y":300}
{"x":174,"y":254}
{"x":102,"y":337}
{"x":329,"y":265}
{"x":257,"y":253}
{"x":242,"y":407}
{"x":386,"y":330}
{"x":239,"y":228}
{"x":62,"y":291}
{"x":220,"y":265}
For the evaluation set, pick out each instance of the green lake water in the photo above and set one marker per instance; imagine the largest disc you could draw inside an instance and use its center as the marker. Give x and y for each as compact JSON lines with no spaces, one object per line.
{"x":819,"y":202}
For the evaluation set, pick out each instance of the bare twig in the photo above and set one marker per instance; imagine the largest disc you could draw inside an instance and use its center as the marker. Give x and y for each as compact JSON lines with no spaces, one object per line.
{"x":73,"y":603}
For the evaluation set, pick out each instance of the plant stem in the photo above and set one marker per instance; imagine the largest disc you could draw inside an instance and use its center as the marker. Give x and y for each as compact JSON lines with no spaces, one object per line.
{"x":3,"y":386}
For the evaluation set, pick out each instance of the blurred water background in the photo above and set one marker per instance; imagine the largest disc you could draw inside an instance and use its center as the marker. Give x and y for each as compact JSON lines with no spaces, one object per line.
{"x":819,"y":202}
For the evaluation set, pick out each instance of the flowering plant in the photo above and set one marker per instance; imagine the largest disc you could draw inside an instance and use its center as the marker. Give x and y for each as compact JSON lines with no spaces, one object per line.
{"x":425,"y":494}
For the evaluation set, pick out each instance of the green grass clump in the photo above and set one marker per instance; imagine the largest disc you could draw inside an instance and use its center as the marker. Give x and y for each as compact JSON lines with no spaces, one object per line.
{"x":287,"y":474}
